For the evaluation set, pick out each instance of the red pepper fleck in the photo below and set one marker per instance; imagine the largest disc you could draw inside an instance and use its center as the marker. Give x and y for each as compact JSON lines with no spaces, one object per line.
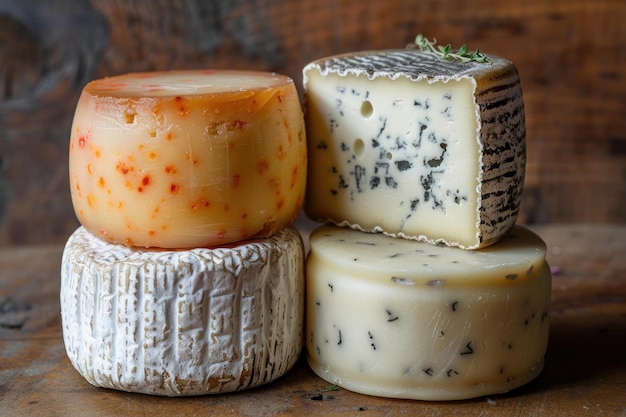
{"x":281,"y":153}
{"x":236,"y":179}
{"x":274,"y":183}
{"x":122,"y":167}
{"x":279,"y":205}
{"x":155,"y":212}
{"x":199,"y":204}
{"x":145,"y":181}
{"x":170,"y":169}
{"x":262,"y":166}
{"x":175,"y":189}
{"x":82,"y":141}
{"x":294,"y":176}
{"x":183,"y":106}
{"x":170,"y":136}
{"x":189,"y":158}
{"x":151,"y":233}
{"x":238,"y":124}
{"x":103,"y":232}
{"x":244,"y":216}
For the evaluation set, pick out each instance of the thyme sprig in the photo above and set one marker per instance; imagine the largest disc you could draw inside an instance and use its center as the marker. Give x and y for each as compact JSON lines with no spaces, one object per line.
{"x":333,"y":387}
{"x":446,"y":52}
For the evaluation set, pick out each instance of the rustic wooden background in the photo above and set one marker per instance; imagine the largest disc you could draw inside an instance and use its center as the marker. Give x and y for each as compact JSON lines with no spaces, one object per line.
{"x":571,"y":55}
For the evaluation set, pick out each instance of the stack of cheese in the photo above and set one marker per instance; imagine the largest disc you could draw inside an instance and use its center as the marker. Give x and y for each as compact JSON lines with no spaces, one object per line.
{"x":450,"y":299}
{"x":186,"y":276}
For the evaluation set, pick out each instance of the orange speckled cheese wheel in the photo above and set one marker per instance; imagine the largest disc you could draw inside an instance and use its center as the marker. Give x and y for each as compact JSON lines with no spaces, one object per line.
{"x":187,"y":159}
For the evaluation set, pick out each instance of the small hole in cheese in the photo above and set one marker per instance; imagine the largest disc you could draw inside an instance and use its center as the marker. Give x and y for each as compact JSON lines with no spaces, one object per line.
{"x":358,"y":147}
{"x":366,"y":109}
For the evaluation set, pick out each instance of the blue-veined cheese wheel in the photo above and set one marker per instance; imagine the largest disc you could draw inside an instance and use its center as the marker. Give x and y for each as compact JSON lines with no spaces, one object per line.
{"x":399,"y":318}
{"x":411,"y":145}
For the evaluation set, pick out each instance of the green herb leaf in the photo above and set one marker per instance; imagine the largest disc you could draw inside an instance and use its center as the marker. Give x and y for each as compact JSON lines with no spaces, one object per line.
{"x":446,"y":52}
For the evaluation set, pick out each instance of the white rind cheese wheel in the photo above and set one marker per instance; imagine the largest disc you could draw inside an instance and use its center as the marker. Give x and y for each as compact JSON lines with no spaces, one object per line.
{"x":180,"y":323}
{"x":183,"y":159}
{"x":411,"y":145}
{"x":399,"y":318}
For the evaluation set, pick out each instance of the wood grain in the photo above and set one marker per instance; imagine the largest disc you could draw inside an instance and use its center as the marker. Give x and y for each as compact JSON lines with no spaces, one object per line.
{"x":585,"y":372}
{"x":570,"y":55}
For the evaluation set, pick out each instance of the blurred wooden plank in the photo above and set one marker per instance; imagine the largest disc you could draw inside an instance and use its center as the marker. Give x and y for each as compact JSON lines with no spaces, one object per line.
{"x":569,"y":53}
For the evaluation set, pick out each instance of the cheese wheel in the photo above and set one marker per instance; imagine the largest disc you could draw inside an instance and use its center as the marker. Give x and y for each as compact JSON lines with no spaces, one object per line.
{"x":186,"y":322}
{"x":398,"y":318}
{"x":411,"y":145}
{"x":184,"y":159}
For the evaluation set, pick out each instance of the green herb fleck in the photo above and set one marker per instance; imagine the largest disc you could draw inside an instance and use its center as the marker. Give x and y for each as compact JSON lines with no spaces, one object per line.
{"x":446,"y":52}
{"x":333,"y":387}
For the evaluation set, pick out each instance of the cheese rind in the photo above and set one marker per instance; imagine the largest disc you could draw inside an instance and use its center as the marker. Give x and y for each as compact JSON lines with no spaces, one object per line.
{"x":187,"y":322}
{"x":405,"y":143}
{"x":183,"y":159}
{"x":399,"y":318}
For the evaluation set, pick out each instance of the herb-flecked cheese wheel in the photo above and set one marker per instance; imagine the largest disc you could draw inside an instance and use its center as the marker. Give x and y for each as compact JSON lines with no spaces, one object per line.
{"x":398,"y":318}
{"x":183,"y":322}
{"x":184,"y":159}
{"x":408,"y":144}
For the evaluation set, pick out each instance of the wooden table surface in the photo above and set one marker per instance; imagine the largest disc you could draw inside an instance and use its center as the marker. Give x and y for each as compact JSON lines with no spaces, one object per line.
{"x":585,"y":373}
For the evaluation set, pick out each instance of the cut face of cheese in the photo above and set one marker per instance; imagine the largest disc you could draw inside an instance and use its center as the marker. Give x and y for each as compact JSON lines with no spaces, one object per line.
{"x":399,"y":318}
{"x":186,"y":159}
{"x":186,"y":322}
{"x":404,"y":143}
